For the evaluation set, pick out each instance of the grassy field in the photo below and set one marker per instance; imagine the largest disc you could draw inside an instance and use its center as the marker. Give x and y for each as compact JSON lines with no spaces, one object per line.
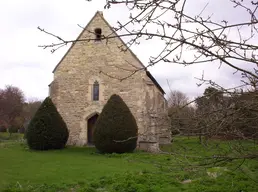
{"x":82,"y":169}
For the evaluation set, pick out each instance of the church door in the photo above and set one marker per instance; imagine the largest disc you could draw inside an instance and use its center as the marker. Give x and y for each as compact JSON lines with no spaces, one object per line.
{"x":91,"y":123}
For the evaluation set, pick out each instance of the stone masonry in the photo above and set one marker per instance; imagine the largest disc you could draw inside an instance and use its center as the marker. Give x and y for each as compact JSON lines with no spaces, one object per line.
{"x":102,"y":61}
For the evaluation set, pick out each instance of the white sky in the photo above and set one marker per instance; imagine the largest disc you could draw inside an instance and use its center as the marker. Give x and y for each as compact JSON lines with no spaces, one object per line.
{"x":24,"y":64}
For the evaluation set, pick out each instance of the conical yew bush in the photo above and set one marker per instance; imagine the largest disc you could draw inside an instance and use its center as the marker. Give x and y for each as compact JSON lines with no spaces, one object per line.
{"x":116,"y":128}
{"x":47,"y":129}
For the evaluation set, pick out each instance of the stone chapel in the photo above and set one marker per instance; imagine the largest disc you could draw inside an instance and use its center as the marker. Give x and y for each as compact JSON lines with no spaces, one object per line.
{"x":90,"y":72}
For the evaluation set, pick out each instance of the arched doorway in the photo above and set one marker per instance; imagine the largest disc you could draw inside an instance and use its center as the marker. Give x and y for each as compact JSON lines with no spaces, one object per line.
{"x":91,"y":123}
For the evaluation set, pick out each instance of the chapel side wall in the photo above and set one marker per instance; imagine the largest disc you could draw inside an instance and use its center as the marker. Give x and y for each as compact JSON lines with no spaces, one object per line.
{"x":163,"y":120}
{"x":148,"y":134}
{"x":156,"y":111}
{"x":73,"y":79}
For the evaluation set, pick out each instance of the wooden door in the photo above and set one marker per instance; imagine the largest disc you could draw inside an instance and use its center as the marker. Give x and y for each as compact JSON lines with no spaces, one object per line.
{"x":91,"y":124}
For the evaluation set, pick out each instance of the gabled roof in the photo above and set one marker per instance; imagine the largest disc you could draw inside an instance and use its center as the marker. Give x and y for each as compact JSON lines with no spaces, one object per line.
{"x":101,"y":15}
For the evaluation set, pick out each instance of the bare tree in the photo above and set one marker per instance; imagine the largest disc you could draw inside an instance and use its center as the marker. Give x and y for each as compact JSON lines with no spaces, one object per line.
{"x":207,"y":39}
{"x":177,"y":99}
{"x":30,"y":107}
{"x":180,"y":112}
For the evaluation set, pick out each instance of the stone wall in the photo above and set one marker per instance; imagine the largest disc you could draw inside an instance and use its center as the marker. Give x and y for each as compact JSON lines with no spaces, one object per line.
{"x":87,"y":62}
{"x":157,"y":122}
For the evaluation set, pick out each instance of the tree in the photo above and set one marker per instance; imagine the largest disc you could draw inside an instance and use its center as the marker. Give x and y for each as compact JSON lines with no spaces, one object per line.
{"x":47,"y":129}
{"x":3,"y":128}
{"x":11,"y":104}
{"x":116,"y":129}
{"x":210,"y":111}
{"x":227,"y":116}
{"x":180,"y":113}
{"x":30,"y":107}
{"x":177,"y":99}
{"x":208,"y":41}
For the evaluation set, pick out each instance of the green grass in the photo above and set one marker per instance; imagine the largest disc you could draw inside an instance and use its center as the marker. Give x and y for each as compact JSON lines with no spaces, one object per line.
{"x":7,"y":136}
{"x":82,"y":169}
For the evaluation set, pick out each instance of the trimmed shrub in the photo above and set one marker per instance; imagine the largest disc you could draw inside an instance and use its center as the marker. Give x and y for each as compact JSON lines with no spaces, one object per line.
{"x":3,"y":129}
{"x":47,"y":129}
{"x":116,"y":128}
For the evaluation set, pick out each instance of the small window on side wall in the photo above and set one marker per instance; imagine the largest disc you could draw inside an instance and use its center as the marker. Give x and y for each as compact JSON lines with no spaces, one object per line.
{"x":98,"y":32}
{"x":96,"y":91}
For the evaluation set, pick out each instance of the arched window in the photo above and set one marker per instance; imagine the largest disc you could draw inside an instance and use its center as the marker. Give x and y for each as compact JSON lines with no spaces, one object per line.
{"x":96,"y":91}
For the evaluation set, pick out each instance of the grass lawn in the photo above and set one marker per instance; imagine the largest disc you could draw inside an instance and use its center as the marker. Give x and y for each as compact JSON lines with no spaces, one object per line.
{"x":82,"y":169}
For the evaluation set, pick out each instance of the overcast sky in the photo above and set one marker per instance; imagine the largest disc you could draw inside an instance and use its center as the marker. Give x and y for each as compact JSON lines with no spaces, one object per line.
{"x":24,"y":64}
